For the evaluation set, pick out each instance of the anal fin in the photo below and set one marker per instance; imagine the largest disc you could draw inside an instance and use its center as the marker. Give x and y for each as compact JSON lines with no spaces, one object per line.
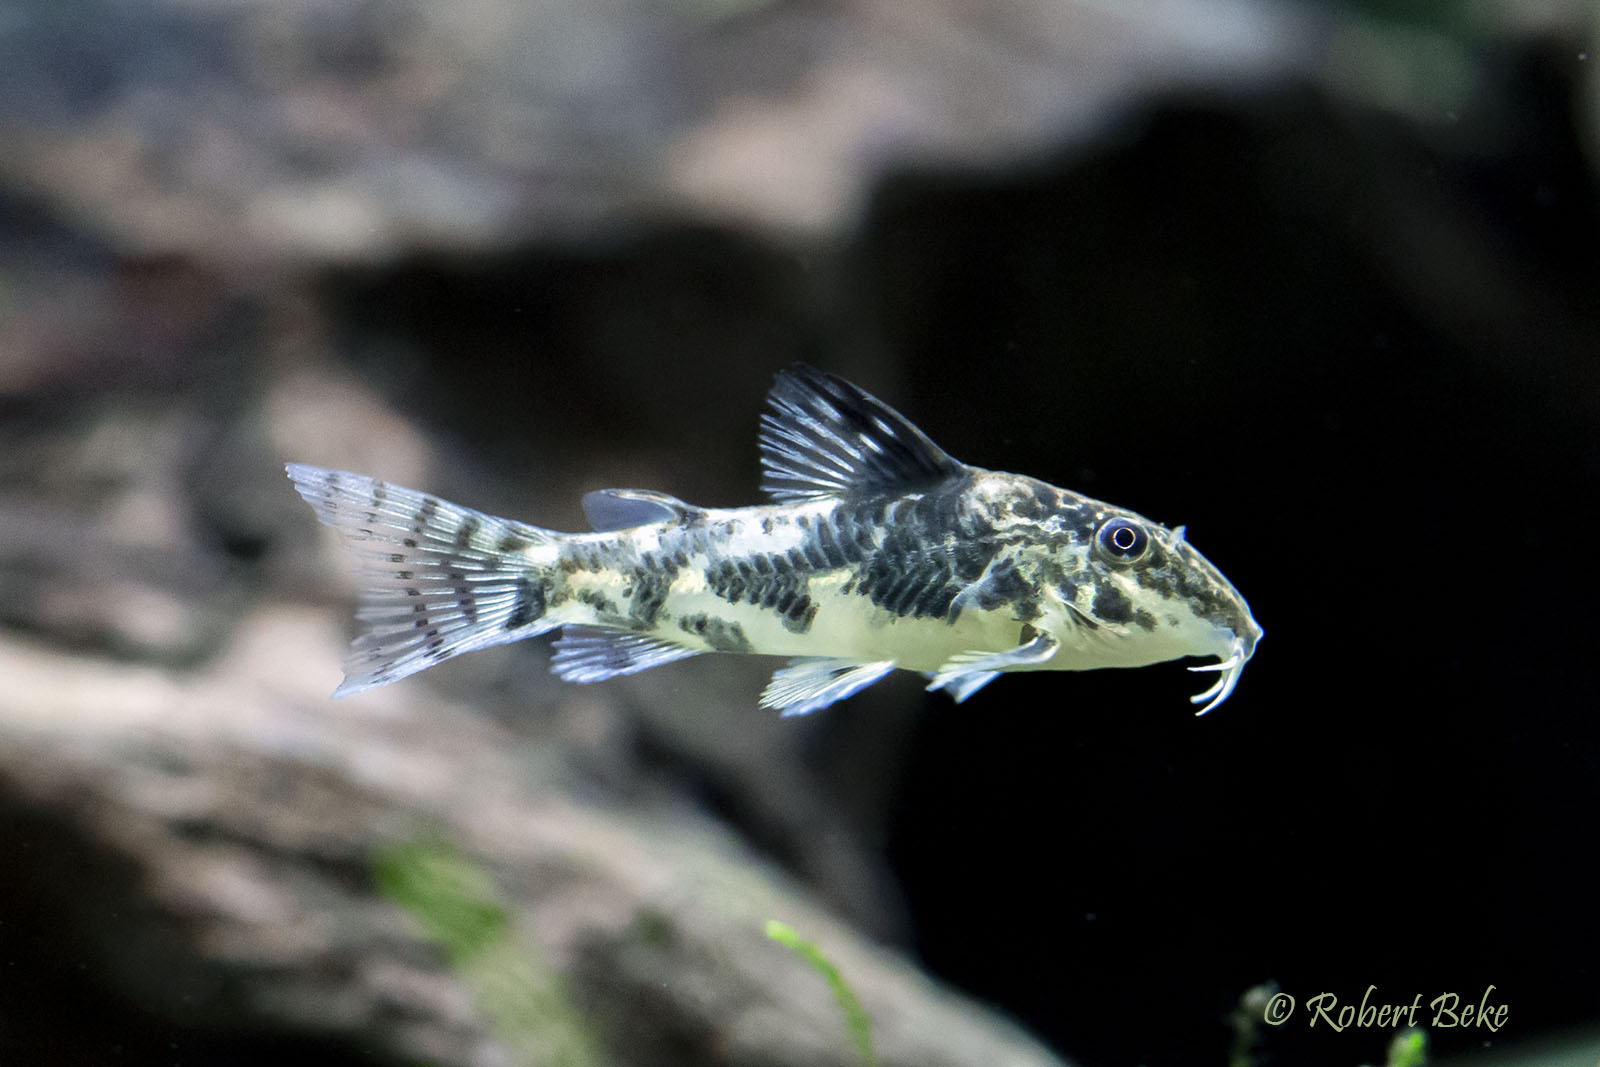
{"x":812,"y":682}
{"x":590,"y":654}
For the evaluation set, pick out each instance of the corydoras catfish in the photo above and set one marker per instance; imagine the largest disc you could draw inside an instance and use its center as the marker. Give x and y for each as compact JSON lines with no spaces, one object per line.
{"x":878,"y":551}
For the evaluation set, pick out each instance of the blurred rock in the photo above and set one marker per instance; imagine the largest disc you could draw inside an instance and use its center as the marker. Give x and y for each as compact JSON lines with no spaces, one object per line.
{"x":101,"y":550}
{"x":345,"y":132}
{"x":230,"y":818}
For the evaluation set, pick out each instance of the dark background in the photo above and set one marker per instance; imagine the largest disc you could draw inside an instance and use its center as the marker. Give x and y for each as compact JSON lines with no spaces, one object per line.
{"x":1401,"y":791}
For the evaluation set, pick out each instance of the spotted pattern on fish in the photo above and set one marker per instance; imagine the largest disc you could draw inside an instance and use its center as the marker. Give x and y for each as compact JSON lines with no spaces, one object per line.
{"x":512,"y":545}
{"x":1169,"y":574}
{"x":933,"y":548}
{"x":718,"y":634}
{"x":836,"y":540}
{"x":878,"y":551}
{"x":773,"y":581}
{"x":529,"y":605}
{"x":647,"y":589}
{"x":606,"y":609}
{"x":1004,"y":586}
{"x":1112,"y":604}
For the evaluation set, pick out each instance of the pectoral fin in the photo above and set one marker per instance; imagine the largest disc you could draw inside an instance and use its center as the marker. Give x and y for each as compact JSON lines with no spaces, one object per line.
{"x":962,"y":686}
{"x":967,"y":672}
{"x":812,"y":682}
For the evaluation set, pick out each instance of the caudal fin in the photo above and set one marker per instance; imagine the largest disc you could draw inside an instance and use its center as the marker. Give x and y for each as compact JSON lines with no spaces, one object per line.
{"x":437,"y":580}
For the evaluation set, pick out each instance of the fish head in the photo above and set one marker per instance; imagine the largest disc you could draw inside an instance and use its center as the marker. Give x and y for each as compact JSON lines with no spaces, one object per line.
{"x":1149,"y":596}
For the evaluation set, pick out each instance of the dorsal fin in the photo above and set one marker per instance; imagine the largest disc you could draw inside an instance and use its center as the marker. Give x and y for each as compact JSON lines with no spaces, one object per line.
{"x":825,"y":437}
{"x":619,"y":509}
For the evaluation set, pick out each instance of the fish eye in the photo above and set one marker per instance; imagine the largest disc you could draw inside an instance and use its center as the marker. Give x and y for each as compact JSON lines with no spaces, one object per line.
{"x":1122,"y":540}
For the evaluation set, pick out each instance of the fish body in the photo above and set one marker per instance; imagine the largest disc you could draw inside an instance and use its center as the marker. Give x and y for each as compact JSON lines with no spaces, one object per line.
{"x":879,"y":552}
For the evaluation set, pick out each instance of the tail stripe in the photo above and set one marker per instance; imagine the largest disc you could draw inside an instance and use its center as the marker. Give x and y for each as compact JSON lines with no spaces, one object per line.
{"x":437,"y":580}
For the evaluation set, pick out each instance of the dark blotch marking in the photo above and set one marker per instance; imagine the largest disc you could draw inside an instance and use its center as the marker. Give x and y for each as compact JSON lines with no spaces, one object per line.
{"x":597,"y":600}
{"x":801,"y":616}
{"x":720,"y":634}
{"x":582,"y":557}
{"x":1076,"y":519}
{"x":928,"y":553}
{"x":613,"y":656}
{"x":651,"y":581}
{"x":775,"y":582}
{"x":1006,"y":585}
{"x":812,"y":555}
{"x":529,"y":606}
{"x":971,"y":558}
{"x":1052,"y":573}
{"x":430,"y":507}
{"x":911,"y":557}
{"x":1111,"y":604}
{"x":1179,"y":576}
{"x":410,"y":542}
{"x":849,"y":528}
{"x":469,"y":529}
{"x":1029,"y":503}
{"x":832,"y":548}
{"x":872,"y":510}
{"x":464,"y":598}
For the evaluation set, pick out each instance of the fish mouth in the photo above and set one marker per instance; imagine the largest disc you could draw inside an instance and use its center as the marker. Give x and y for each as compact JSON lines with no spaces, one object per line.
{"x":1231,"y":667}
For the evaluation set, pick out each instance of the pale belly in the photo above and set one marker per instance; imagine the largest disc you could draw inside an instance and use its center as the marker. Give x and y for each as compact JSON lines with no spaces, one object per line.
{"x":851,"y":627}
{"x":844,"y":626}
